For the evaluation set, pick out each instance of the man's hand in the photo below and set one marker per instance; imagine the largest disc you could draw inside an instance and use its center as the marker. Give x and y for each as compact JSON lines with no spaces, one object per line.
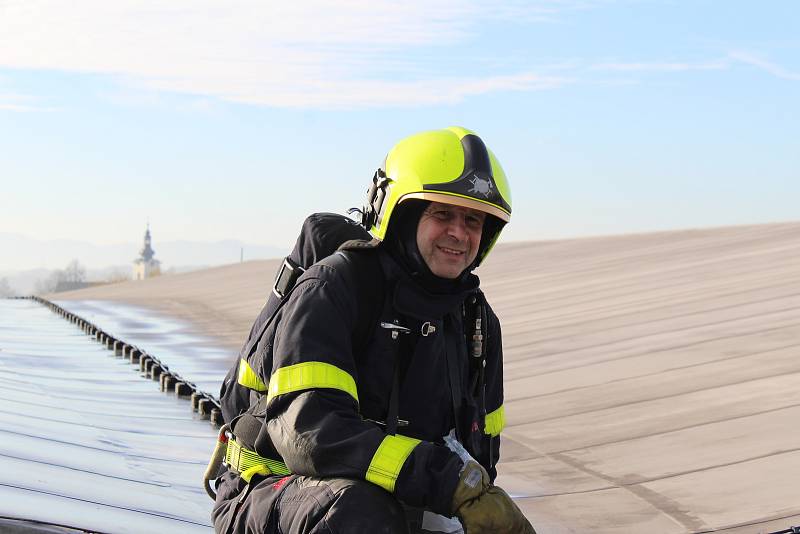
{"x":483,"y":508}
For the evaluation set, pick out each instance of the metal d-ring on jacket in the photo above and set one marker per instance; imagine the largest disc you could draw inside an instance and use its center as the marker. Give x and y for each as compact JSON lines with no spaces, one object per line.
{"x":329,"y":387}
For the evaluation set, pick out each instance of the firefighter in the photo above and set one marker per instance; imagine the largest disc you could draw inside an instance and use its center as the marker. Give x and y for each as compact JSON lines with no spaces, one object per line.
{"x":374,"y":392}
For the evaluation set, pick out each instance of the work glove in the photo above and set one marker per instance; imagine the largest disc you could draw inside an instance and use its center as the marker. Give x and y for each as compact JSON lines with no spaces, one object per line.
{"x":483,"y":508}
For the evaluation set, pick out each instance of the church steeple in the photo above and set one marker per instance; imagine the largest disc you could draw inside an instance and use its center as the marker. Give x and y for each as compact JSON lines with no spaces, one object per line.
{"x":147,"y":251}
{"x":146,"y":265}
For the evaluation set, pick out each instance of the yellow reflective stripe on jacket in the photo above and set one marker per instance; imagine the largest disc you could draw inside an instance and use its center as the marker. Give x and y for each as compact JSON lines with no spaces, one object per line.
{"x":495,"y":422}
{"x":310,"y":375}
{"x":389,"y":459}
{"x":248,"y":378}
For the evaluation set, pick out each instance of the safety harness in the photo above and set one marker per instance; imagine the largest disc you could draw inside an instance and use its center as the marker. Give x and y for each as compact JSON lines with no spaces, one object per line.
{"x":236,"y":442}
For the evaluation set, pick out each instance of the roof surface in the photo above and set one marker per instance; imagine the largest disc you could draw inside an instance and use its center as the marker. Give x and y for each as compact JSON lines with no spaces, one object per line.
{"x":652,"y":380}
{"x":85,"y":442}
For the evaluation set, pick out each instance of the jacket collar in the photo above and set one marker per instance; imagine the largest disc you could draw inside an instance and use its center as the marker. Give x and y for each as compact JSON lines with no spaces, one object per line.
{"x":413,"y":300}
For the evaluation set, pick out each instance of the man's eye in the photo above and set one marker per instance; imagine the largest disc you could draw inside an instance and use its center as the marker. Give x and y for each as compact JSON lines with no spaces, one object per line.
{"x":442,"y":214}
{"x":474,"y":222}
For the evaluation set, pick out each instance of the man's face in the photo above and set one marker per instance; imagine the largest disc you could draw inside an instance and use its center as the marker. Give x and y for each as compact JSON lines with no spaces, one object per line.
{"x":448,"y":238}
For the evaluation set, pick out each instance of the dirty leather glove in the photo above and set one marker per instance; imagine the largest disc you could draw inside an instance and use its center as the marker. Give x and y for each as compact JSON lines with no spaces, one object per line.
{"x":494,"y":512}
{"x":483,"y":508}
{"x":472,"y":483}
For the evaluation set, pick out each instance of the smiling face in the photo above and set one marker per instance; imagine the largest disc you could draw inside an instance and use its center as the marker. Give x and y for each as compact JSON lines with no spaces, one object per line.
{"x":448,"y":238}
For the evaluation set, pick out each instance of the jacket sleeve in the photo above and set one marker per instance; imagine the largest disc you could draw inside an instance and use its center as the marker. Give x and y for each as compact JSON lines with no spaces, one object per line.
{"x":495,"y":412}
{"x":313,"y":410}
{"x":233,"y":396}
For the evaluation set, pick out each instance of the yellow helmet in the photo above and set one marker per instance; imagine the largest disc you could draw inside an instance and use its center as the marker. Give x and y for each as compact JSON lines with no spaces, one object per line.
{"x":452,"y":166}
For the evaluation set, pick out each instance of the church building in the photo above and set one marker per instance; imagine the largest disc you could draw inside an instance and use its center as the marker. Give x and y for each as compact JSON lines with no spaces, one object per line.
{"x":146,"y":265}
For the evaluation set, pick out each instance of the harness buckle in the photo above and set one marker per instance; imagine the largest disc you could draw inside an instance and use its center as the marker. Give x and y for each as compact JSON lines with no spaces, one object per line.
{"x":427,"y":329}
{"x":287,"y":276}
{"x":395,"y":328}
{"x":400,"y":422}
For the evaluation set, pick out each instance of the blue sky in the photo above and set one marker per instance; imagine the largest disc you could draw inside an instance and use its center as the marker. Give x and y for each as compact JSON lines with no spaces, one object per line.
{"x":234,"y":120}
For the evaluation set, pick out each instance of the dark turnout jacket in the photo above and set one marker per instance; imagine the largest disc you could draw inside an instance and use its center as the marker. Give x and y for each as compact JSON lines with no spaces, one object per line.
{"x":354,"y":326}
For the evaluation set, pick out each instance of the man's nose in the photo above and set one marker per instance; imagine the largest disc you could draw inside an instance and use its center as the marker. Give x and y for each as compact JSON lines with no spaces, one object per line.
{"x":457,"y":227}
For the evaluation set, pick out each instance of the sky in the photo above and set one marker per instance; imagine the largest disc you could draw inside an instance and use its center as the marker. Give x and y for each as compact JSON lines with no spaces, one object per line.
{"x":234,"y":120}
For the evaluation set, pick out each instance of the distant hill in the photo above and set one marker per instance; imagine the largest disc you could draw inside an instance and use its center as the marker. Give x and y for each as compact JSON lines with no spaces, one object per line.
{"x":32,"y":253}
{"x":33,"y":260}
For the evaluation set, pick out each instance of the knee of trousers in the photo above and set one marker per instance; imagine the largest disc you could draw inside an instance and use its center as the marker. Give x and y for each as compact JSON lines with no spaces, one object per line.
{"x":360,"y":506}
{"x":229,"y":486}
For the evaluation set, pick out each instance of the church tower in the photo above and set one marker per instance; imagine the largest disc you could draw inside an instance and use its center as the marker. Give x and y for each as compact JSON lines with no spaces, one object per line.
{"x":146,"y":265}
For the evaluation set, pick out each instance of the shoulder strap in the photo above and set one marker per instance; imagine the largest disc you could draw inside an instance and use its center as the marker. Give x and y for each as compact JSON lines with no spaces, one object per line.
{"x":289,"y":288}
{"x":392,"y":413}
{"x":372,"y":292}
{"x":475,"y":324}
{"x":381,"y":308}
{"x":456,"y":395}
{"x":253,"y":341}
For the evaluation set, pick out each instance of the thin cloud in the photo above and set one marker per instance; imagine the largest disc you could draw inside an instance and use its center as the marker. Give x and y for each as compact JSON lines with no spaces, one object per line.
{"x":528,"y":11}
{"x":15,"y":107}
{"x":20,"y":103}
{"x":311,"y":54}
{"x":767,"y":66}
{"x":377,"y":93}
{"x":661,"y":66}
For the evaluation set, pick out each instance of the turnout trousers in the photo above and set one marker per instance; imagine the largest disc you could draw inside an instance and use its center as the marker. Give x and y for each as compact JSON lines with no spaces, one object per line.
{"x":306,"y":505}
